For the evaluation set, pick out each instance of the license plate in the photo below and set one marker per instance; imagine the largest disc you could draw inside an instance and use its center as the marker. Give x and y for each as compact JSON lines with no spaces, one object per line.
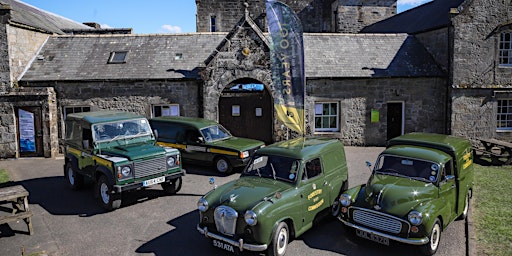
{"x":223,"y":246}
{"x":153,"y":181}
{"x":372,"y":237}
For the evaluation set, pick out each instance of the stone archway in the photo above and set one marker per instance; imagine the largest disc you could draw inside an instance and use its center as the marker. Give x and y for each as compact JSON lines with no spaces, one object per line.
{"x":245,"y":108}
{"x":213,"y":97}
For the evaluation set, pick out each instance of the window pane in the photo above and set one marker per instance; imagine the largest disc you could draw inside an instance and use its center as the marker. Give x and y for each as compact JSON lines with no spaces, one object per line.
{"x":318,"y":122}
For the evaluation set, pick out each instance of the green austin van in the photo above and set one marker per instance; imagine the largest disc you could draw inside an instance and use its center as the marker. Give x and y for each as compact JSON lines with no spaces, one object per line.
{"x":280,"y":193}
{"x":204,"y":141}
{"x":118,"y":152}
{"x":419,"y":185}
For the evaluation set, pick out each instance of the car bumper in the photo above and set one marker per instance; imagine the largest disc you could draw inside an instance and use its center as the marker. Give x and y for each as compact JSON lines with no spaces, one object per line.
{"x":412,"y":241}
{"x":237,"y":162}
{"x":239,"y":243}
{"x":136,"y":185}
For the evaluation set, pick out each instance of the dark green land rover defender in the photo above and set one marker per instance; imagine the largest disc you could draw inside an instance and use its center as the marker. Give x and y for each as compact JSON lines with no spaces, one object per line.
{"x":118,"y":152}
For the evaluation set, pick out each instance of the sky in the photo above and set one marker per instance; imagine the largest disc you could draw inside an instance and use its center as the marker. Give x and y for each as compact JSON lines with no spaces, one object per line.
{"x":144,"y":17}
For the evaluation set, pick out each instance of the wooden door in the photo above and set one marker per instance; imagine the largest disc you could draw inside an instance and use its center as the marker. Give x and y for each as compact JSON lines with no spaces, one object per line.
{"x":395,"y":122}
{"x":30,"y":131}
{"x":247,"y":114}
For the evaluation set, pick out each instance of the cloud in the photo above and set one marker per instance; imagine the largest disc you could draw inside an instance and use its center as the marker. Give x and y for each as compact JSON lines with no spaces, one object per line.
{"x":105,"y":26}
{"x":171,"y":29}
{"x":412,"y":2}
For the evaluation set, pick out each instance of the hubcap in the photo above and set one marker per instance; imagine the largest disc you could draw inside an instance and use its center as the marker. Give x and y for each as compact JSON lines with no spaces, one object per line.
{"x":71,"y":176}
{"x":222,"y":165}
{"x":434,"y":237}
{"x":282,"y":241}
{"x":104,"y":193}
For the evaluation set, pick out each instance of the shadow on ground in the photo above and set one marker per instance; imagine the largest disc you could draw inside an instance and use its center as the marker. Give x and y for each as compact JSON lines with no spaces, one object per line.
{"x":54,"y":195}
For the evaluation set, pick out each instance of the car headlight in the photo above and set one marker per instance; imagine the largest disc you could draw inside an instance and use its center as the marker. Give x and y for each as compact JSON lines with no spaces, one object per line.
{"x":345,"y":200}
{"x":244,"y":154}
{"x":251,"y":218}
{"x":124,"y":172}
{"x":202,"y":205}
{"x":171,"y":162}
{"x":415,"y":218}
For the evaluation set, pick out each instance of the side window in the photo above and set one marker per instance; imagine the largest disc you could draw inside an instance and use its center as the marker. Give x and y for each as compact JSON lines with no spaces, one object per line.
{"x":313,"y":169}
{"x":192,"y":136}
{"x":86,"y":138}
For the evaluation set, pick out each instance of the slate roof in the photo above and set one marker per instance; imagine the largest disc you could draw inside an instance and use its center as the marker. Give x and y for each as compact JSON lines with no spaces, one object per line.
{"x":149,"y":57}
{"x":367,"y":55}
{"x":429,"y":16}
{"x":28,"y":15}
{"x":153,"y":56}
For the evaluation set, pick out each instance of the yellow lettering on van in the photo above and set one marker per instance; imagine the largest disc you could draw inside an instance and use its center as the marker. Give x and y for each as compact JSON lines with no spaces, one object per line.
{"x":315,"y":206}
{"x":314,"y":193}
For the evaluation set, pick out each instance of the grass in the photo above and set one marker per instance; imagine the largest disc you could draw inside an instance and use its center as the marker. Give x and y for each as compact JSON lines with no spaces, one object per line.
{"x":4,"y":176}
{"x":492,"y":217}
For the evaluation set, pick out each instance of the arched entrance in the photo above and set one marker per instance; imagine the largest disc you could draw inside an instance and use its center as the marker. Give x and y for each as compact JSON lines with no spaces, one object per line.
{"x":245,"y":109}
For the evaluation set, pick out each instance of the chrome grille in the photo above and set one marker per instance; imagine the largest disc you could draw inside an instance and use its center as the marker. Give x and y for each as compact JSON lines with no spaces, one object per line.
{"x":149,"y":167}
{"x":225,"y":220}
{"x":377,"y":220}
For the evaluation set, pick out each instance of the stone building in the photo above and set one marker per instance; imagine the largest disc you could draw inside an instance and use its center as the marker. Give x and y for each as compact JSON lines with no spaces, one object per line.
{"x":442,"y":67}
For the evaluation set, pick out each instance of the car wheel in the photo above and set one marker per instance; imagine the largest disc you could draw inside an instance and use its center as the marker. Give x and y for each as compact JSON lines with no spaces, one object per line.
{"x":222,"y":165}
{"x":336,"y":208}
{"x":107,"y":199}
{"x":280,"y":240}
{"x":74,"y":179}
{"x":173,"y":186}
{"x":464,"y":214}
{"x":435,"y":237}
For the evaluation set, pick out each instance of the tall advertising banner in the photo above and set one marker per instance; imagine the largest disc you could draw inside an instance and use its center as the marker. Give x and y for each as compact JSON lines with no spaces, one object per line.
{"x":287,"y":60}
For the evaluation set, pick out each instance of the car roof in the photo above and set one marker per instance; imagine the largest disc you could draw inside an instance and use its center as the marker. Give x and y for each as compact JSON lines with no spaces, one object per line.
{"x":192,"y":121}
{"x":302,"y":147}
{"x":102,"y":116}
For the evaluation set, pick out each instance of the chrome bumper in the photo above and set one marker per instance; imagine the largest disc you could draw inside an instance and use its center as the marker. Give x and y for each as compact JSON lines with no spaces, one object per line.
{"x":412,"y":241}
{"x":239,"y":244}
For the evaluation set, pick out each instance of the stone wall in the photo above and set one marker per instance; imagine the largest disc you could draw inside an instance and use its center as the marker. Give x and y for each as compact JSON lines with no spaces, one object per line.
{"x":437,"y":44}
{"x":358,"y":97}
{"x":476,"y":31}
{"x":132,"y":96}
{"x":28,"y":97}
{"x":23,"y":46}
{"x":5,"y":78}
{"x":314,"y":14}
{"x":352,"y":15}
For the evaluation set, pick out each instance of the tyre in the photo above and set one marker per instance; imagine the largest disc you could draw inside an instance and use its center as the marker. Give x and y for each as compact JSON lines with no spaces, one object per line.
{"x":107,"y":199}
{"x":336,"y":208}
{"x":74,"y":179}
{"x":173,"y":186}
{"x":222,"y":165}
{"x":280,"y":240}
{"x":435,"y":237}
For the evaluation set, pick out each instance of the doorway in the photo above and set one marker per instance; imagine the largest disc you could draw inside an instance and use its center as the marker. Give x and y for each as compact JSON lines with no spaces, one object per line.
{"x":395,"y":120}
{"x":246,"y":111}
{"x":29,"y":131}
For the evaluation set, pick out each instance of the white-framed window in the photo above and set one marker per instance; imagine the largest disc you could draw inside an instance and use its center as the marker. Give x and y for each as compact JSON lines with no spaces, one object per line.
{"x":505,"y":50}
{"x":75,"y":109}
{"x":504,"y":115}
{"x":166,"y":110}
{"x":327,"y":117}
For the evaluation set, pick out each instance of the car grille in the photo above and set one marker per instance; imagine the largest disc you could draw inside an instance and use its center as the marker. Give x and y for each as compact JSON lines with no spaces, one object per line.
{"x":377,"y":220}
{"x":225,"y":220}
{"x":149,"y":167}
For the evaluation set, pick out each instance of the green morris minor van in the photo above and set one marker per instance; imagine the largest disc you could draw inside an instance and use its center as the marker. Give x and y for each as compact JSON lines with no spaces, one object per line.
{"x":280,"y":193}
{"x":206,"y":141}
